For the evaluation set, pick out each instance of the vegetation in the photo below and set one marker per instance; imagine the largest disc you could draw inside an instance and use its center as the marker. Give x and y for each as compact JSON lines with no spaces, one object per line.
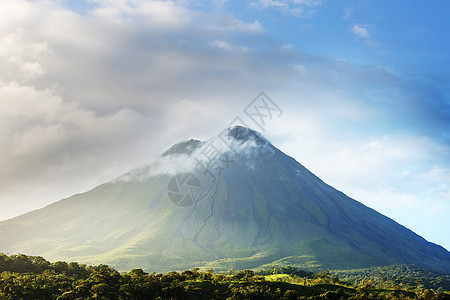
{"x":29,"y":277}
{"x":398,"y":276}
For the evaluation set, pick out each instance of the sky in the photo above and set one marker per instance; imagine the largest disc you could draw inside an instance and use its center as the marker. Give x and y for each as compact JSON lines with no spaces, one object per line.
{"x":91,"y":89}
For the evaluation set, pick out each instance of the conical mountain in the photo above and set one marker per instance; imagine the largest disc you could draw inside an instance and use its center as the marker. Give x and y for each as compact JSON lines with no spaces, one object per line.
{"x":232,"y":202}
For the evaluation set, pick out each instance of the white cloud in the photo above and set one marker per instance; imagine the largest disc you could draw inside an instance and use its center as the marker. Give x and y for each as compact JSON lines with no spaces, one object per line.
{"x":165,"y":14}
{"x":297,"y":8}
{"x":222,"y":45}
{"x":391,"y":173}
{"x":41,"y":132}
{"x":20,"y":57}
{"x":196,"y":161}
{"x":364,"y":35}
{"x":360,"y":31}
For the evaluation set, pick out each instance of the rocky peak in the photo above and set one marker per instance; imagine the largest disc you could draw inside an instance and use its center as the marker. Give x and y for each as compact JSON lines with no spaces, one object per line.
{"x":244,"y":134}
{"x":186,"y":147}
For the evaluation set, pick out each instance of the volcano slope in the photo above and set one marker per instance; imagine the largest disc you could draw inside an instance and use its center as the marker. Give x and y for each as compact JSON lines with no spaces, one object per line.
{"x":233,"y":202}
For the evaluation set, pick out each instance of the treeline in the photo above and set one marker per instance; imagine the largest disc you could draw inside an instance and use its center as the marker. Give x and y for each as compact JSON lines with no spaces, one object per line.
{"x":38,"y":265}
{"x":286,"y":270}
{"x":398,"y":276}
{"x":29,"y":277}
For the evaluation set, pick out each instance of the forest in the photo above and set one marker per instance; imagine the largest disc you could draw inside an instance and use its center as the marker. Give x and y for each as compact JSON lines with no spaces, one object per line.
{"x":33,"y":277}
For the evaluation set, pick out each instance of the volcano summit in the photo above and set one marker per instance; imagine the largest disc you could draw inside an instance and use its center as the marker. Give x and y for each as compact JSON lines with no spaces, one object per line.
{"x":232,"y":202}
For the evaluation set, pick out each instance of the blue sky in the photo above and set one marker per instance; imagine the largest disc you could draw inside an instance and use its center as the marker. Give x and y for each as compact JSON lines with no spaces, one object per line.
{"x":91,"y":89}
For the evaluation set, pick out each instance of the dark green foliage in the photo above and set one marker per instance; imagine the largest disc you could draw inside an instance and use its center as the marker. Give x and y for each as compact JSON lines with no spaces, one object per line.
{"x":398,"y":276}
{"x":286,"y":270}
{"x":28,"y":277}
{"x":20,"y":263}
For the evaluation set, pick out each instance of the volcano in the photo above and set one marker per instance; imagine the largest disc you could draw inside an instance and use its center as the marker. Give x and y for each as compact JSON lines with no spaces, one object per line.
{"x":232,"y":202}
